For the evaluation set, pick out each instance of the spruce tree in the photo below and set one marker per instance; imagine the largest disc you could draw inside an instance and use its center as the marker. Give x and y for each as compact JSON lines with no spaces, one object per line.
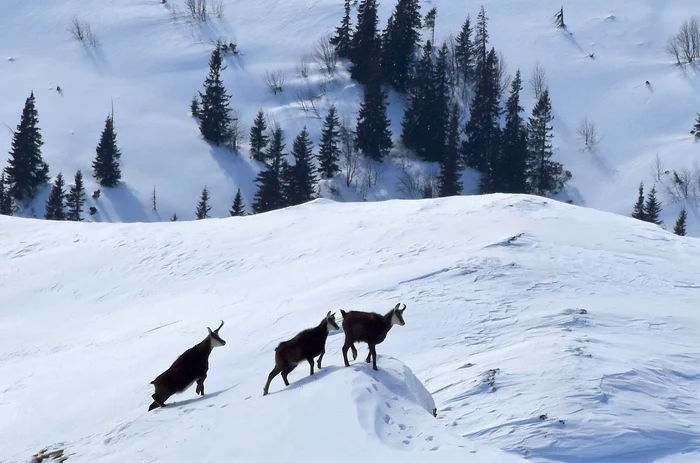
{"x":679,"y":229}
{"x":429,"y":22}
{"x":76,"y":198}
{"x":270,"y":195}
{"x":258,"y":139}
{"x":638,"y":212}
{"x":194,"y":107}
{"x":26,"y":170}
{"x":399,"y":42}
{"x":342,"y":37}
{"x":365,"y":43}
{"x":329,"y":149}
{"x":237,"y":209}
{"x":203,"y":207}
{"x":215,"y":113}
{"x":301,"y":179}
{"x":373,"y":126}
{"x":448,"y":181}
{"x":481,"y":41}
{"x":440,"y":107}
{"x":55,"y":205}
{"x":513,"y":162}
{"x":464,"y":53}
{"x":6,"y":202}
{"x":174,"y":218}
{"x":106,"y":169}
{"x":544,"y":175}
{"x":652,"y":207}
{"x":559,"y":18}
{"x":416,"y":124}
{"x":696,"y":128}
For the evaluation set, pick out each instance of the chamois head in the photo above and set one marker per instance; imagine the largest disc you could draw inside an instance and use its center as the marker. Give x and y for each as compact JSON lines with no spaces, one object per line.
{"x":330,"y":322}
{"x":397,"y":315}
{"x":214,"y":337}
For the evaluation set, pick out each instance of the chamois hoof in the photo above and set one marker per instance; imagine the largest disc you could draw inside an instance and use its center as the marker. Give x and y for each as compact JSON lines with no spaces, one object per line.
{"x":375,"y":368}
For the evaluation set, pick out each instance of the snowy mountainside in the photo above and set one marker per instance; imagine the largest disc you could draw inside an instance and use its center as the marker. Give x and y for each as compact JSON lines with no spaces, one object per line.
{"x":150,"y":63}
{"x":538,"y":330}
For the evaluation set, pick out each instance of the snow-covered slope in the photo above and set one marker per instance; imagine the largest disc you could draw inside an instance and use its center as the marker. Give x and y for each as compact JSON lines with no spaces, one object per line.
{"x":521,"y":312}
{"x":150,"y":65}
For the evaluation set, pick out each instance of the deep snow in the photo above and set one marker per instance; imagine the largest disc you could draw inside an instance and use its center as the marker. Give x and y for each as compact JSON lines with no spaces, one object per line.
{"x":517,"y":307}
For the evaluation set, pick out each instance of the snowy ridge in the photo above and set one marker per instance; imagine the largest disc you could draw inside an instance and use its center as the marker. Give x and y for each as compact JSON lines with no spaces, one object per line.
{"x":521,"y":312}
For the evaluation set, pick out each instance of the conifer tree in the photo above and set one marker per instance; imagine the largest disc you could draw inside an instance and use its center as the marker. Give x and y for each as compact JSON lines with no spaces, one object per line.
{"x":55,"y":204}
{"x":696,"y":128}
{"x":513,"y":168}
{"x":76,"y":198}
{"x":174,"y":218}
{"x":559,"y":18}
{"x":481,"y":41}
{"x":329,"y":149}
{"x":237,"y":209}
{"x":194,"y":107}
{"x":215,"y":113}
{"x":429,"y":22}
{"x":203,"y":206}
{"x":440,"y":107}
{"x":464,"y":53}
{"x":6,"y":203}
{"x":416,"y":124}
{"x":258,"y":139}
{"x":373,"y":137}
{"x":448,"y":181}
{"x":679,"y":229}
{"x":399,"y":42}
{"x":342,"y":37}
{"x":106,"y":169}
{"x":301,"y":177}
{"x":638,"y":212}
{"x":26,"y":170}
{"x":544,"y":175}
{"x":270,"y":194}
{"x":652,"y":207}
{"x":365,"y":49}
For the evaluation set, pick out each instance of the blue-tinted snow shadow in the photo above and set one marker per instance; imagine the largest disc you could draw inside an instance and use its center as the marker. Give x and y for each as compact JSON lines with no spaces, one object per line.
{"x":319,"y":374}
{"x":240,"y":171}
{"x":125,"y":205}
{"x":198,"y":399}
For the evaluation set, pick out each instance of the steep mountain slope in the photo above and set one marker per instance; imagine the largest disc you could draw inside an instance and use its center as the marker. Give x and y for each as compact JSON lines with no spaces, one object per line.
{"x":550,"y":331}
{"x":151,"y":61}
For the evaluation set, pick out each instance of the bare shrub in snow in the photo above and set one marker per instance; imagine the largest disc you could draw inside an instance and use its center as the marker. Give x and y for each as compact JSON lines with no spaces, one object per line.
{"x":409,"y":182}
{"x":538,"y":81}
{"x":503,"y":77}
{"x":306,"y":99}
{"x":219,"y":9}
{"x":349,"y":157}
{"x":588,"y":135}
{"x":304,"y":64}
{"x":197,"y":9}
{"x":370,"y":177}
{"x":325,"y":55}
{"x":82,"y":32}
{"x":236,"y":133}
{"x":274,"y":81}
{"x":684,"y":47}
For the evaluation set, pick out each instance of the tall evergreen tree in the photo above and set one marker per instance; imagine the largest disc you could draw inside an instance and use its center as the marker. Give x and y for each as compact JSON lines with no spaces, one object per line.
{"x":215,"y":113}
{"x":417,"y":118}
{"x":365,"y":45}
{"x":679,"y":229}
{"x":448,"y":181}
{"x":329,"y":149}
{"x":464,"y":53}
{"x":373,"y":137}
{"x":258,"y":139}
{"x":237,"y":209}
{"x":513,"y":168}
{"x":696,"y":128}
{"x":440,"y":107}
{"x":6,"y":203}
{"x":55,"y":205}
{"x":203,"y":207}
{"x":652,"y":207}
{"x":270,"y":194}
{"x":399,"y":42}
{"x":481,"y":41}
{"x":26,"y":170}
{"x":544,"y":175}
{"x":342,"y":37}
{"x":76,"y":198}
{"x":301,"y":175}
{"x":429,"y":22}
{"x":106,"y":169}
{"x":638,"y":212}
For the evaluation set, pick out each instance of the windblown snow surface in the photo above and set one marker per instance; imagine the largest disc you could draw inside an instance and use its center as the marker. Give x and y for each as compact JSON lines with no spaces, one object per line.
{"x":539,"y":330}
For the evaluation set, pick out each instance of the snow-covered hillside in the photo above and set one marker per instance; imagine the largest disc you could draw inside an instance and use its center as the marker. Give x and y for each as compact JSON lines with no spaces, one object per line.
{"x":537,"y":329}
{"x":150,"y":64}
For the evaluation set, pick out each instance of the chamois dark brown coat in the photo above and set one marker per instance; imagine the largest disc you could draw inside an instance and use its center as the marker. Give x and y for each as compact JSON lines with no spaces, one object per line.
{"x":304,"y":346}
{"x":369,"y":327}
{"x":190,"y":367}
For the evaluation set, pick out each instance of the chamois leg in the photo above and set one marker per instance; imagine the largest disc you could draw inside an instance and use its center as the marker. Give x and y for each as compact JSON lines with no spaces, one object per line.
{"x":373,"y":352}
{"x":346,"y":346}
{"x":311,"y":365}
{"x":369,"y":355}
{"x":200,"y":385}
{"x":275,"y":371}
{"x":318,"y":364}
{"x":285,"y":372}
{"x":158,"y":400}
{"x":354,"y":351}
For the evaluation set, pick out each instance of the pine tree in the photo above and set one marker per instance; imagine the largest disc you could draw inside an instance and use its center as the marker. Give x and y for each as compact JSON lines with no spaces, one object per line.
{"x":215,"y":113}
{"x":174,"y":218}
{"x":416,"y":124}
{"x":342,"y":37}
{"x":448,"y":181}
{"x":55,"y":205}
{"x":258,"y":139}
{"x":679,"y":229}
{"x":481,"y":41}
{"x":106,"y":169}
{"x":638,"y":212}
{"x":270,"y":195}
{"x":365,"y":46}
{"x":154,"y":204}
{"x":399,"y":42}
{"x":464,"y":53}
{"x":237,"y":209}
{"x":544,"y":175}
{"x":203,"y":206}
{"x":26,"y":170}
{"x":429,"y":22}
{"x":440,"y":107}
{"x":76,"y":198}
{"x":301,"y":179}
{"x":559,"y":18}
{"x":6,"y":203}
{"x":696,"y":128}
{"x":329,"y":149}
{"x":373,"y":126}
{"x":652,"y":207}
{"x":194,"y":107}
{"x":513,"y":168}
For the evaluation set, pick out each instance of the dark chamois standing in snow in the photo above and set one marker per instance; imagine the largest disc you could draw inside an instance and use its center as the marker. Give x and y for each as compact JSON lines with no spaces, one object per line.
{"x":304,"y":346}
{"x":369,"y":327}
{"x":190,"y":367}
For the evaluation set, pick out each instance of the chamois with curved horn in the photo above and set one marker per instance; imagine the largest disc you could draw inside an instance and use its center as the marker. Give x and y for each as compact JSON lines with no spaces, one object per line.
{"x":369,"y":327}
{"x":304,"y":346}
{"x":190,"y":367}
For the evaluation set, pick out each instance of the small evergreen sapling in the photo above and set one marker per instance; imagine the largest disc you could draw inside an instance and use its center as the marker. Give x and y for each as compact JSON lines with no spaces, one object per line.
{"x":174,"y":218}
{"x":237,"y":209}
{"x":76,"y":198}
{"x":203,"y":206}
{"x":6,"y":202}
{"x":215,"y":113}
{"x":652,"y":208}
{"x":106,"y":164}
{"x":638,"y":212}
{"x":448,"y":181}
{"x":270,"y":195}
{"x":679,"y":229}
{"x":559,"y":19}
{"x":300,"y":176}
{"x":258,"y":139}
{"x":194,"y":107}
{"x":329,"y":149}
{"x":55,"y":206}
{"x":373,"y":125}
{"x":696,"y":129}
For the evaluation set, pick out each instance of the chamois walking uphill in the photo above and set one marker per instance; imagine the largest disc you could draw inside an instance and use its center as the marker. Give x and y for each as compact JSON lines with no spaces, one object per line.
{"x":304,"y":346}
{"x":369,"y":327}
{"x":190,"y":367}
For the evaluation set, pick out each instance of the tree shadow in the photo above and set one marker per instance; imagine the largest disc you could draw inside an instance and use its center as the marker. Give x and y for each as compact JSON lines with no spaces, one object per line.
{"x":198,"y":399}
{"x":307,"y":379}
{"x":239,"y":169}
{"x":125,"y":204}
